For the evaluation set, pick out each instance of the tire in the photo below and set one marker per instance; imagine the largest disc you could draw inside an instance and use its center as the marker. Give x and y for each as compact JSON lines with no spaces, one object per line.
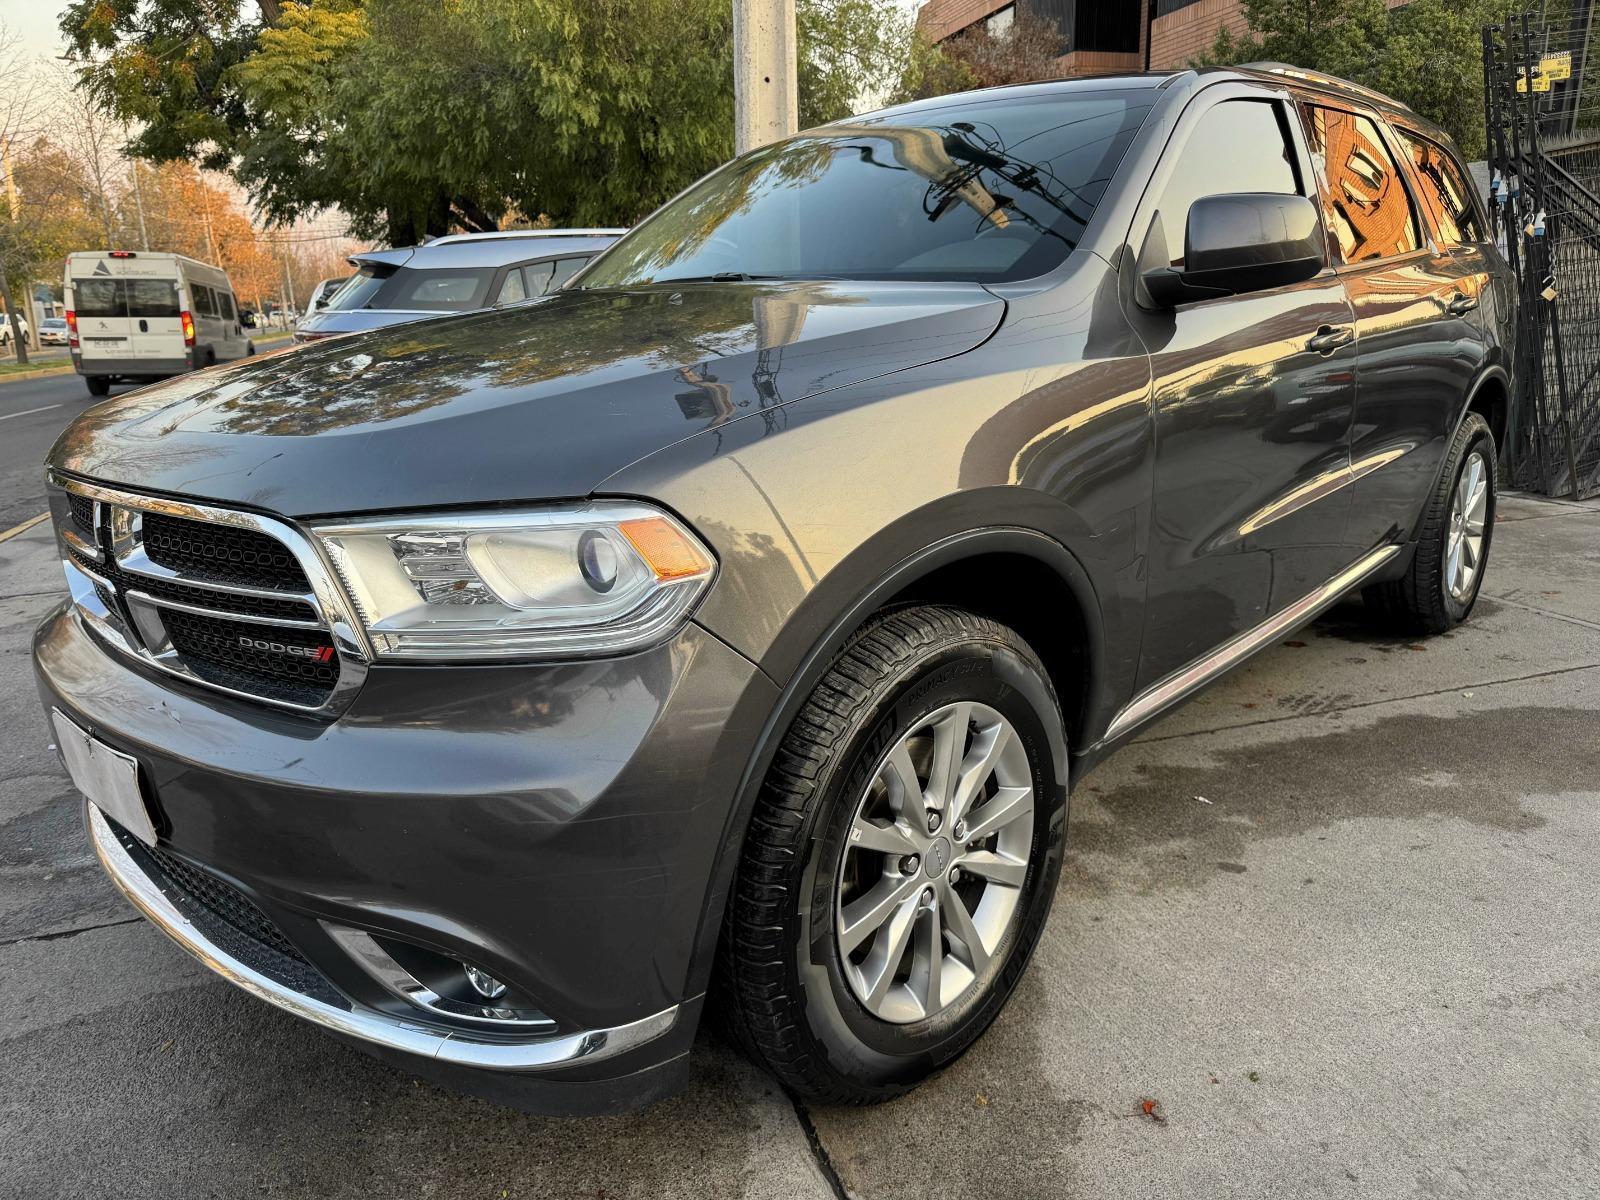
{"x":98,"y":385}
{"x":800,"y":1000}
{"x":1429,"y":598}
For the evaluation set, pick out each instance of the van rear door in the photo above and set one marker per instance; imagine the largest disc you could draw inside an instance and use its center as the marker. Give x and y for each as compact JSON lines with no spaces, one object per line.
{"x":156,"y":315}
{"x":101,"y":305}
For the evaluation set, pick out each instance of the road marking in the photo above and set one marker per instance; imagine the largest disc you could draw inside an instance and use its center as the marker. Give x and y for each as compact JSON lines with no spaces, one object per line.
{"x":26,"y":411}
{"x":23,"y":528}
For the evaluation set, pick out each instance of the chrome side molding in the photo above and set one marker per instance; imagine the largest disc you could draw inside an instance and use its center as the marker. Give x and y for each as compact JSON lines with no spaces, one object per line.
{"x":503,"y":1053}
{"x":1161,"y":696}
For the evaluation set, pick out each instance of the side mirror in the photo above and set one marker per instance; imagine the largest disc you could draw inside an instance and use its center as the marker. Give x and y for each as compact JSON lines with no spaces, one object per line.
{"x":248,"y":320}
{"x":1246,"y":242}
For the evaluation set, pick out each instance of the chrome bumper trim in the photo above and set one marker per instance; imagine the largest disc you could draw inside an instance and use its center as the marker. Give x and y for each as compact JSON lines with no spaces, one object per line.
{"x":460,"y":1049}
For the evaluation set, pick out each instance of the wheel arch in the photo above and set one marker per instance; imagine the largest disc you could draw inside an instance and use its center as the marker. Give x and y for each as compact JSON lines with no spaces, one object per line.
{"x":1052,"y":574}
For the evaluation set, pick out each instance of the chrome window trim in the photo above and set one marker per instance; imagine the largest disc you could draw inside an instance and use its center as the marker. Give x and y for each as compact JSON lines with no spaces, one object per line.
{"x":327,"y":598}
{"x":503,"y":1053}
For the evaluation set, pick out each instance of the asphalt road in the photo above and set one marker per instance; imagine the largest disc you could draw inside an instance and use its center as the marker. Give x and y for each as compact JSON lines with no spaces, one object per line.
{"x":32,"y":413}
{"x":1335,"y":921}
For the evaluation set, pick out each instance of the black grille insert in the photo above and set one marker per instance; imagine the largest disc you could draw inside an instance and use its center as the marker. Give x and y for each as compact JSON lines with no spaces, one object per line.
{"x":83,"y":516}
{"x":297,"y":666}
{"x":197,"y":594}
{"x":230,"y":919}
{"x":222,"y":553}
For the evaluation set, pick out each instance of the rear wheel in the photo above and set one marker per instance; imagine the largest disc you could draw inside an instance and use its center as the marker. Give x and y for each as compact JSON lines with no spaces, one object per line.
{"x":901,"y":860}
{"x":1439,"y":589}
{"x":98,"y":385}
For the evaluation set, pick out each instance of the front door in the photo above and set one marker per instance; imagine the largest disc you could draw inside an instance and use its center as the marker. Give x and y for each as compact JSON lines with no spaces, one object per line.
{"x":1253,"y":400}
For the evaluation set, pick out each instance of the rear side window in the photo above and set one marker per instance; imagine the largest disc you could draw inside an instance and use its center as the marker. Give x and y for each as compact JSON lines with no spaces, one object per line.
{"x":514,"y":289}
{"x":152,"y":298}
{"x":99,"y":298}
{"x":1236,"y":146}
{"x":538,"y":276}
{"x":448,"y":289}
{"x":1444,"y":189}
{"x":1364,"y":199}
{"x":203,"y":304}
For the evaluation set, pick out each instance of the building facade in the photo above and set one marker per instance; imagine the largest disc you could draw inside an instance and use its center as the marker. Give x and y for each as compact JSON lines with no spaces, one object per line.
{"x":1102,"y":37}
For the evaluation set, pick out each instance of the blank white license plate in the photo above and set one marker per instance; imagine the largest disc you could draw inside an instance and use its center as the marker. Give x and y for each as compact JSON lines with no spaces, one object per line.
{"x":109,"y":778}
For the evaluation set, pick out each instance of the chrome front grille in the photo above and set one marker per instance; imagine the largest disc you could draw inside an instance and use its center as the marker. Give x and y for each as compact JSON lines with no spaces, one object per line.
{"x":224,"y":599}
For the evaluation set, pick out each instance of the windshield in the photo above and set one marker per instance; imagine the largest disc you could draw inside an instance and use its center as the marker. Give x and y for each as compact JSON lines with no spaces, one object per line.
{"x":990,"y":191}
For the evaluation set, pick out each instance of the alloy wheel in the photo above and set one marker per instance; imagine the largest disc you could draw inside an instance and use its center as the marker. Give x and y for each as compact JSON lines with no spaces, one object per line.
{"x":1469,"y":508}
{"x":935,"y":862}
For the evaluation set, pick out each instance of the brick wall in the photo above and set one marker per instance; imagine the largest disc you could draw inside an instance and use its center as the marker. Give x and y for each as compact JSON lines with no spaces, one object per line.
{"x":1178,"y":37}
{"x":941,"y":18}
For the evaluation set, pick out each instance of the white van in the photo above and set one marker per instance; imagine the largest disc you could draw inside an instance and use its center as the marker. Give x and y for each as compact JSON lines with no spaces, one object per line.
{"x":138,"y":315}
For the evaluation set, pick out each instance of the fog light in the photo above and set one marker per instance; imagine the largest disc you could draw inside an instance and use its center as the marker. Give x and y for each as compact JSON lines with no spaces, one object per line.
{"x":483,"y":983}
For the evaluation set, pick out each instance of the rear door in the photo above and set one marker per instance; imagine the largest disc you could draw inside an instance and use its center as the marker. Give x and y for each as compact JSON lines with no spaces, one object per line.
{"x":1252,"y":402}
{"x":100,"y":302}
{"x":1415,"y":300}
{"x":155,"y":315}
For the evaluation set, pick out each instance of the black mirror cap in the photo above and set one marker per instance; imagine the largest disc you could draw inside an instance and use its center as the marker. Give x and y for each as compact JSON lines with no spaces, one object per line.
{"x":1245,"y":242}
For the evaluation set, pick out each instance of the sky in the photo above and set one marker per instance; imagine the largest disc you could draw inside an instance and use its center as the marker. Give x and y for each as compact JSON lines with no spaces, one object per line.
{"x":34,"y":21}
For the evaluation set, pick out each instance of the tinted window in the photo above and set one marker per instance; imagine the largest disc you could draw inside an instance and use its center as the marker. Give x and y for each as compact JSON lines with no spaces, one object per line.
{"x":152,"y":298}
{"x":203,"y":303}
{"x":565,"y":269}
{"x":979,"y":191}
{"x":538,"y":276}
{"x":513,"y":289}
{"x":359,"y":290}
{"x":1236,"y":146}
{"x":1364,"y":200}
{"x":99,"y":298}
{"x":1444,"y":189}
{"x":447,"y":289}
{"x":225,"y":305}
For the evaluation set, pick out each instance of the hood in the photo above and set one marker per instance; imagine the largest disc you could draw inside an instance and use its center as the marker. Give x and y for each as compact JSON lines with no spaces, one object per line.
{"x":540,"y":401}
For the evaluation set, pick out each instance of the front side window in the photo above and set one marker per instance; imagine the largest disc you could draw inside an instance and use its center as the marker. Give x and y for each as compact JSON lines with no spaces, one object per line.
{"x":987,"y":192}
{"x":225,"y":305}
{"x":1235,"y":146}
{"x":1444,"y":189}
{"x":1364,"y":200}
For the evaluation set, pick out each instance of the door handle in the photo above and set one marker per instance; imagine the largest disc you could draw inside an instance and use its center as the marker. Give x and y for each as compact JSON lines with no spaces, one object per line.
{"x":1461,"y":305}
{"x":144,"y":326}
{"x":1329,"y":339}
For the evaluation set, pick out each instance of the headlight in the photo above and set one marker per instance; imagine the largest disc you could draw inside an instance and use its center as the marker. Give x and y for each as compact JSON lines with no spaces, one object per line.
{"x":602,"y":578}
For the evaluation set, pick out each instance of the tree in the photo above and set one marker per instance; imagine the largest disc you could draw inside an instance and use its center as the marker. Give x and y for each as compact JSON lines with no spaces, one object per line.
{"x":415,"y":117}
{"x":1427,"y":54}
{"x":1025,"y":52}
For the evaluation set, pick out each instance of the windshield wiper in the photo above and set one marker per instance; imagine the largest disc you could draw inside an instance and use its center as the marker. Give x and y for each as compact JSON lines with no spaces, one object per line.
{"x":719,"y":277}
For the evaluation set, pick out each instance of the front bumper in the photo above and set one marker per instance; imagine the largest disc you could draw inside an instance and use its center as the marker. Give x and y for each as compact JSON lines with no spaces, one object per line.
{"x":557,"y":825}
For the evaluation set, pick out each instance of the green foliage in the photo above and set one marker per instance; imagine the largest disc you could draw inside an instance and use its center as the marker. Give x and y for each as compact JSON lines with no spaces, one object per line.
{"x":418,"y":116}
{"x":1428,"y":54}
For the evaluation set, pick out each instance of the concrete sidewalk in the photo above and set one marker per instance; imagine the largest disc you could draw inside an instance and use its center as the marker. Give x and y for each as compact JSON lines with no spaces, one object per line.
{"x":1335,"y":920}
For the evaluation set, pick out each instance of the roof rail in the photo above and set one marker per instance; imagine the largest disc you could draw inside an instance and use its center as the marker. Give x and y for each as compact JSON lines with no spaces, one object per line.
{"x":1320,"y":78}
{"x":497,"y":234}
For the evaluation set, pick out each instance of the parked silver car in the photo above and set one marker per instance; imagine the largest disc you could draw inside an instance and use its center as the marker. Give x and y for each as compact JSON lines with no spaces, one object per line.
{"x":53,"y":331}
{"x":453,"y":274}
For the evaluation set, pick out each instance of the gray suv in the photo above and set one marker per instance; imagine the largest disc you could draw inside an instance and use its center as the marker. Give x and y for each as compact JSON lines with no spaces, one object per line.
{"x":499,"y":692}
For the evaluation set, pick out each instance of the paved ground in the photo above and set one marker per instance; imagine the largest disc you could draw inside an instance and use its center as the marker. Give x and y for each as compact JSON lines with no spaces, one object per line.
{"x":1337,"y":920}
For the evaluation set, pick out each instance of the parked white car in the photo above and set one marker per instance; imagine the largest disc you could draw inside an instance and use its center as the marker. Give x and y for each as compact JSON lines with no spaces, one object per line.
{"x":5,"y":329}
{"x":137,"y":315}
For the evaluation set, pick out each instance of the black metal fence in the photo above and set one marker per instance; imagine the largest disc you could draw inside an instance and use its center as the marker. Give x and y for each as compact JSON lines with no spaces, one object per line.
{"x":1542,"y":106}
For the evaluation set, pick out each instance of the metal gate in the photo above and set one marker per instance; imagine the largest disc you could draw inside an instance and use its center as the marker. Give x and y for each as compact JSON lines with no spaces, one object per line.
{"x":1542,"y":105}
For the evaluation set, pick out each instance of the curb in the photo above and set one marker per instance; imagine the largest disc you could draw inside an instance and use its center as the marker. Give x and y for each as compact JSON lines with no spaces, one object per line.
{"x":19,"y":376}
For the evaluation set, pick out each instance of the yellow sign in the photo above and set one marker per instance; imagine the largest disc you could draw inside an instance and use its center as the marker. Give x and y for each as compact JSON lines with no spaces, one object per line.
{"x":1541,"y":82}
{"x":1556,"y":66}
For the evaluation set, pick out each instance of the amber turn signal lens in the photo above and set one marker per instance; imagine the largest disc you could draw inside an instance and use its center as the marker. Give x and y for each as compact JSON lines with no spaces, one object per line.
{"x":666,"y":551}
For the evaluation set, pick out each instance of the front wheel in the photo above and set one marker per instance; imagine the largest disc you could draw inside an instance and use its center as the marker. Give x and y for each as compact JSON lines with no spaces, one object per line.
{"x":1438,"y":590}
{"x":901,"y":860}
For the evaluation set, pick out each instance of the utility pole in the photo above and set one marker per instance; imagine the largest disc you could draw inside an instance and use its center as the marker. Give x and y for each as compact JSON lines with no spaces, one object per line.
{"x":138,"y":204}
{"x":765,"y":101}
{"x":288,"y":283}
{"x":211,"y":242}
